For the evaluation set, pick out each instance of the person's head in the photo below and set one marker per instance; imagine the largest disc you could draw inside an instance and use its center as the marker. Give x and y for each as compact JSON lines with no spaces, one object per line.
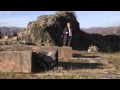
{"x":68,"y":24}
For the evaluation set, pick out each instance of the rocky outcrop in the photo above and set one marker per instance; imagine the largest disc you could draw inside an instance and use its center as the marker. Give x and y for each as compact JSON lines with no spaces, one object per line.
{"x":47,"y":30}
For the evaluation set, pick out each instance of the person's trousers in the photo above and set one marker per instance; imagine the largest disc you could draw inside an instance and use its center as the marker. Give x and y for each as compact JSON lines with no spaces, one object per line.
{"x":67,"y":38}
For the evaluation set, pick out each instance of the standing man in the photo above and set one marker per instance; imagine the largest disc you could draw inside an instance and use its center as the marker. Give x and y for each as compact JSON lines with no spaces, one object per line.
{"x":67,"y":34}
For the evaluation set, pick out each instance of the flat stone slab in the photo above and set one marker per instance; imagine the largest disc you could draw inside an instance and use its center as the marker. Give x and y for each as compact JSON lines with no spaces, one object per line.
{"x":14,"y":47}
{"x":65,"y":51}
{"x":15,"y":61}
{"x":92,"y":60}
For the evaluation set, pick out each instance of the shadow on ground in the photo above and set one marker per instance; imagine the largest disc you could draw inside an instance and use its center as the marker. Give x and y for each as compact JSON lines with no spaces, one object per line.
{"x":80,"y":56}
{"x":78,"y":65}
{"x":71,"y":65}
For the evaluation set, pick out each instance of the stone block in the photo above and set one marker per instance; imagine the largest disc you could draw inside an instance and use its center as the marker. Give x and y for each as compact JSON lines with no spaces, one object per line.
{"x":15,"y":61}
{"x":65,"y":52}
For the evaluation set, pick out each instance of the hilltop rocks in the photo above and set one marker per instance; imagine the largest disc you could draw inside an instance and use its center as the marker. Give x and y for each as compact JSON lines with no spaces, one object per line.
{"x":47,"y":30}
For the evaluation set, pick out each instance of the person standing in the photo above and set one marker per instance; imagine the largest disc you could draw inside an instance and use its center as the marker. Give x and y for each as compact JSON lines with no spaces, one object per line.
{"x":67,"y":33}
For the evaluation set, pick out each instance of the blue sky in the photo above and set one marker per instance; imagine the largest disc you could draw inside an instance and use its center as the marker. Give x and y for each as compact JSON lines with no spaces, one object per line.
{"x":86,"y":19}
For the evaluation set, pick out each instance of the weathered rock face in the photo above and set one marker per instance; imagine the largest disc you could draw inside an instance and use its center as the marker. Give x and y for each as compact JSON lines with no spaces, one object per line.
{"x":47,"y":30}
{"x":109,"y":49}
{"x":51,"y":57}
{"x":45,"y":59}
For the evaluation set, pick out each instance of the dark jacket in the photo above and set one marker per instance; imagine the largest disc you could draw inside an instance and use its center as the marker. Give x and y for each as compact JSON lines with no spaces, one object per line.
{"x":66,"y":30}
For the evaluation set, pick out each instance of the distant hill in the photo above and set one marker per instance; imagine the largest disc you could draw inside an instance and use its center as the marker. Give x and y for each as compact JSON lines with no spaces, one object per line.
{"x":9,"y":30}
{"x":92,"y":30}
{"x":103,"y":31}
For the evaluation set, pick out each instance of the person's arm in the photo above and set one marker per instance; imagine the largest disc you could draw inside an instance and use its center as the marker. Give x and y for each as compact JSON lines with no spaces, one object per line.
{"x":64,"y":31}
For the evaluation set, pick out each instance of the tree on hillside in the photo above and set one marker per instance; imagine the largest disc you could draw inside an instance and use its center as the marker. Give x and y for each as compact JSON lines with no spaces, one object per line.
{"x":14,"y":33}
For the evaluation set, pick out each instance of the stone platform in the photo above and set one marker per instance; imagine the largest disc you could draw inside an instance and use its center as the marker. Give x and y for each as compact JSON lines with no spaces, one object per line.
{"x":21,"y":58}
{"x":64,"y":52}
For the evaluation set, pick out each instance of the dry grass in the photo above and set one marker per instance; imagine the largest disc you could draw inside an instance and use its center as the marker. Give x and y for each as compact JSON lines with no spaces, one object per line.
{"x":16,"y":76}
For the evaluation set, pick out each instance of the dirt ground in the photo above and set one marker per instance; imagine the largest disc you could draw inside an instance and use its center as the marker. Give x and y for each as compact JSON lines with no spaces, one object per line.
{"x":83,"y":65}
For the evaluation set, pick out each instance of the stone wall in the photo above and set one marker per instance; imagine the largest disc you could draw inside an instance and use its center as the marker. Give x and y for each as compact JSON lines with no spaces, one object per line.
{"x":14,"y":47}
{"x":64,"y":52}
{"x":27,"y":61}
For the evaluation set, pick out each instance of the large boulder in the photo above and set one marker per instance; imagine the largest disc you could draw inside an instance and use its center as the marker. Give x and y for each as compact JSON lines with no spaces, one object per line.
{"x":50,"y":57}
{"x":47,"y":30}
{"x":45,"y":59}
{"x":93,"y":49}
